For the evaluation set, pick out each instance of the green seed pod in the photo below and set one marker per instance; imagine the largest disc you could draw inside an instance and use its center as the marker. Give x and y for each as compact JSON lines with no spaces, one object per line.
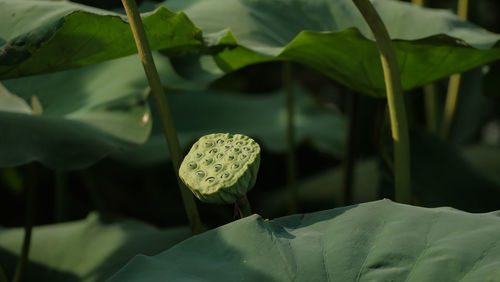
{"x":221,"y":167}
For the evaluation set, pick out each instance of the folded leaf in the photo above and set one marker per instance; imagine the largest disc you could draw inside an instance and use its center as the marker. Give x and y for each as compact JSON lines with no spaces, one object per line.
{"x":333,"y":38}
{"x":41,"y":36}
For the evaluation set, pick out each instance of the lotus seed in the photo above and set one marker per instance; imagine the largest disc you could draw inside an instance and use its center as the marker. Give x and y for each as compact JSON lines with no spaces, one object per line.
{"x":225,"y":175}
{"x":213,"y":151}
{"x":200,"y":173}
{"x":210,"y":179}
{"x":217,"y":167}
{"x":208,"y":161}
{"x":230,"y":157}
{"x":192,"y":165}
{"x":236,"y":165}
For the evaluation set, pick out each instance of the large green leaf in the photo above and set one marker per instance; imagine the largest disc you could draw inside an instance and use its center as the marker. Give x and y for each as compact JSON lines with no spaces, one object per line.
{"x":87,"y":112}
{"x":376,"y":241}
{"x":87,"y":250}
{"x":263,"y":117}
{"x":332,"y":37}
{"x":42,"y":36}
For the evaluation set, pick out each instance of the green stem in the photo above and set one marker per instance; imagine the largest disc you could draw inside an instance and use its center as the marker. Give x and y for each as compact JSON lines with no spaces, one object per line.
{"x":59,"y":196}
{"x":430,"y":97}
{"x":244,"y":207}
{"x":163,"y":110}
{"x":418,"y":2}
{"x":395,"y":99}
{"x":28,"y":226}
{"x":382,"y":119}
{"x":350,"y":153}
{"x":451,"y":102}
{"x":291,"y":159}
{"x":3,"y":278}
{"x":431,"y":107}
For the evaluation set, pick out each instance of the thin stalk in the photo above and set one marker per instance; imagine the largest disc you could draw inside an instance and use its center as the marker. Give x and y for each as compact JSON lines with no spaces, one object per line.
{"x":351,"y":151}
{"x":430,"y":97}
{"x":395,"y":99}
{"x":382,"y":118}
{"x":450,"y":107}
{"x":163,"y":110}
{"x":418,"y":2}
{"x":59,"y":196}
{"x":431,"y":107}
{"x":28,"y":226}
{"x":291,"y":159}
{"x":244,"y":207}
{"x":3,"y":278}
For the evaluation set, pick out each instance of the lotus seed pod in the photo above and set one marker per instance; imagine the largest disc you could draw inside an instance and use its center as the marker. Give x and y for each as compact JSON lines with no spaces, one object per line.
{"x":221,"y":168}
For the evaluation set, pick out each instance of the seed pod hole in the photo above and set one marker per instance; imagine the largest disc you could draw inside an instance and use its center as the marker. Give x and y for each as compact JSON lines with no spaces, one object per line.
{"x":243,"y":156}
{"x":236,"y":150}
{"x":239,"y":143}
{"x":220,"y":155}
{"x":225,"y":175}
{"x":246,"y":149}
{"x":213,"y":151}
{"x":236,"y":165}
{"x":210,"y":179}
{"x":199,"y":155}
{"x":230,"y":158}
{"x":193,"y":165}
{"x":209,"y":144}
{"x":217,"y":167}
{"x":208,"y":161}
{"x":227,"y":147}
{"x":200,"y":173}
{"x":220,"y":141}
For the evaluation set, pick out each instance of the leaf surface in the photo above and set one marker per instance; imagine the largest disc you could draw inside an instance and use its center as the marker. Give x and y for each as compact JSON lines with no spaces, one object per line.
{"x":375,"y":241}
{"x":87,"y":250}
{"x":262,"y":117}
{"x":41,"y":36}
{"x":87,"y":113}
{"x":333,"y":38}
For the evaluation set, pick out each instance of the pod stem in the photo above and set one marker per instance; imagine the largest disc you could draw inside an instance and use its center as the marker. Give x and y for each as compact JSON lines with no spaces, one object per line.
{"x":350,"y":153}
{"x":244,"y":206}
{"x":291,"y":159}
{"x":395,"y":99}
{"x":28,"y":226}
{"x":163,"y":110}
